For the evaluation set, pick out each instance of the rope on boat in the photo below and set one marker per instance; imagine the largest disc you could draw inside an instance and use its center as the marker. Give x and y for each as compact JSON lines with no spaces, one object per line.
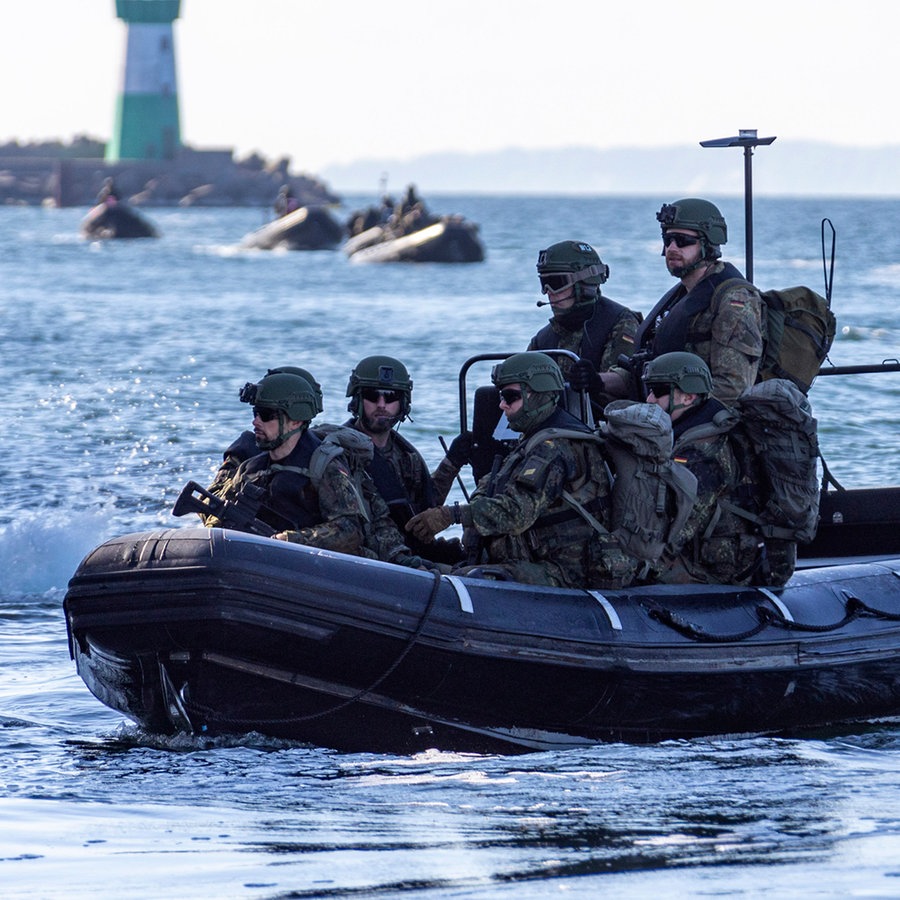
{"x":877,"y":613}
{"x":767,"y":617}
{"x":854,"y":610}
{"x":696,"y":632}
{"x":414,"y":637}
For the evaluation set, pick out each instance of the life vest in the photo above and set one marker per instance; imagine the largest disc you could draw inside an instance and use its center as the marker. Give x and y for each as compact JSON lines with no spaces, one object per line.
{"x":595,"y":331}
{"x":670,"y":324}
{"x":291,"y":501}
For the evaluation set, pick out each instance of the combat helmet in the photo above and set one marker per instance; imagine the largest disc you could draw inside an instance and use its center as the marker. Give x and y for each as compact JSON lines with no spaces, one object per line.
{"x":572,"y":263}
{"x":544,"y":380}
{"x":380,"y":373}
{"x":696,"y":215}
{"x":249,"y":392}
{"x":303,"y":373}
{"x":684,"y":370}
{"x":290,"y":395}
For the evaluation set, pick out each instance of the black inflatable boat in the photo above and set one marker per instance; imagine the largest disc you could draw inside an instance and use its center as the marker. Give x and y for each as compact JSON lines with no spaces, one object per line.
{"x":214,"y":631}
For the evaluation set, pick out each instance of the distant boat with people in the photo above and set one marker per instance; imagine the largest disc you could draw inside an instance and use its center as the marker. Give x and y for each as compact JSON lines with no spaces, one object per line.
{"x":115,"y":221}
{"x":305,"y":228}
{"x":111,"y":217}
{"x":409,"y":232}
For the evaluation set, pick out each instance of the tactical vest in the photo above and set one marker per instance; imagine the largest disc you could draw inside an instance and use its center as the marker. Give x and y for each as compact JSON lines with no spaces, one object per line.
{"x":389,"y":485}
{"x":594,"y":333}
{"x":291,"y":501}
{"x":670,"y":326}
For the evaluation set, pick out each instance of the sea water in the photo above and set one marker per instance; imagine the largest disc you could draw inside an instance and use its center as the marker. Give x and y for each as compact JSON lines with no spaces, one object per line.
{"x":119,"y":374}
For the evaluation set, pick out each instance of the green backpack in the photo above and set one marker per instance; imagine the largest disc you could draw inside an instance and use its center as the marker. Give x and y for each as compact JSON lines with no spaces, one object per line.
{"x":652,"y":495}
{"x":800,"y":329}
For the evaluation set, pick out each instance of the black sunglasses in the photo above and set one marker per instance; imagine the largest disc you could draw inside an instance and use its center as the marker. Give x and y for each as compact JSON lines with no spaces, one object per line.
{"x":372,"y":395}
{"x":264,"y":413}
{"x":681,"y":240}
{"x":657,"y":388}
{"x":510,"y":396}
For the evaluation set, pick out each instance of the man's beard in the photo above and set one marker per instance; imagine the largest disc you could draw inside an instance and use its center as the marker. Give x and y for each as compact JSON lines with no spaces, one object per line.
{"x":379,"y":424}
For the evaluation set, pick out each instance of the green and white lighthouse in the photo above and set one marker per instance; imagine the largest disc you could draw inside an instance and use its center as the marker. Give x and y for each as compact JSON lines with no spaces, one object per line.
{"x":147,"y":124}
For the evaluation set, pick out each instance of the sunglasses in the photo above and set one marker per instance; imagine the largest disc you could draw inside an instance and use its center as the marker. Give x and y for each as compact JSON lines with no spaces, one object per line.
{"x":510,"y":396}
{"x":372,"y":395}
{"x":658,"y":389}
{"x":264,"y":413}
{"x":681,"y":240}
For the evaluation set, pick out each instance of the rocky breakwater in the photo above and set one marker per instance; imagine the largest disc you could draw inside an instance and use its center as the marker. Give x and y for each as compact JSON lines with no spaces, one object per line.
{"x":194,"y":178}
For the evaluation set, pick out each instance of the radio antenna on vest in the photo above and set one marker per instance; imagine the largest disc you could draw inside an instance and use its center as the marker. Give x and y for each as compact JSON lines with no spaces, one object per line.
{"x":747,"y":139}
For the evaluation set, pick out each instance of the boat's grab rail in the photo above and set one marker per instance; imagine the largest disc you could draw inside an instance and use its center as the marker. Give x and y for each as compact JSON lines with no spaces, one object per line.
{"x":776,"y":618}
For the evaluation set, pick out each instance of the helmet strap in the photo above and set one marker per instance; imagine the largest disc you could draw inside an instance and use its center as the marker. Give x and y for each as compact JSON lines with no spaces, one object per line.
{"x":536,"y":406}
{"x":283,"y":435}
{"x":675,"y":407}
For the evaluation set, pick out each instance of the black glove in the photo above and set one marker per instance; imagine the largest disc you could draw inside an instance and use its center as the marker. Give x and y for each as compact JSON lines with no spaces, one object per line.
{"x":460,"y":450}
{"x":584,"y":377}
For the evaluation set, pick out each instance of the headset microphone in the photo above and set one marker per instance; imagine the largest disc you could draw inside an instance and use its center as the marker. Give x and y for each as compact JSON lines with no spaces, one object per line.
{"x":543,"y":303}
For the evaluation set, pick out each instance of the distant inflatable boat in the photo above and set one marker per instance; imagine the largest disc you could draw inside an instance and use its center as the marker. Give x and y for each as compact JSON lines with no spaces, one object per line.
{"x":451,"y":239}
{"x":108,"y":222}
{"x":307,"y":228}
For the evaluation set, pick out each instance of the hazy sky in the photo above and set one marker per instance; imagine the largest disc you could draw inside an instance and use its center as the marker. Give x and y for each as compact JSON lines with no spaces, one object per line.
{"x":328,"y":82}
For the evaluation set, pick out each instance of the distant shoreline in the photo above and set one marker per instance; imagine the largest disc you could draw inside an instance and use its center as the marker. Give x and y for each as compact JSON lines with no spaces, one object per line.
{"x":786,"y":168}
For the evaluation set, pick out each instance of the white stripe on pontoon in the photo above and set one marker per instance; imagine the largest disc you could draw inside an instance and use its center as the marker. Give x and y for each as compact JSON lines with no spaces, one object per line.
{"x":611,"y":614}
{"x":779,"y":605}
{"x":465,"y":601}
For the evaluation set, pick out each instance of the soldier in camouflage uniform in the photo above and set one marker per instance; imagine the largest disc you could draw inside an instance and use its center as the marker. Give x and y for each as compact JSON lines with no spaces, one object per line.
{"x":584,"y":321}
{"x":597,"y":329}
{"x":381,"y":538}
{"x":331,"y":516}
{"x":724,"y":327}
{"x":380,"y":392}
{"x":716,"y":546}
{"x":542,"y":518}
{"x":244,"y":446}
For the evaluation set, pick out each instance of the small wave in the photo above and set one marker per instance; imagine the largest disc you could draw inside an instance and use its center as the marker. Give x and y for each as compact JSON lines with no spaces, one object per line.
{"x":37,"y":556}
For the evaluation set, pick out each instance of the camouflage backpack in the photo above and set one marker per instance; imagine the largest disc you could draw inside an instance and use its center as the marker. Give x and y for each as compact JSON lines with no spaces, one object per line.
{"x":652,"y":495}
{"x":778,"y":431}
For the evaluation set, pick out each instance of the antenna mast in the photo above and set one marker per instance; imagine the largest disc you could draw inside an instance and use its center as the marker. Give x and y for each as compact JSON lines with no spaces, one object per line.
{"x":747,"y":139}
